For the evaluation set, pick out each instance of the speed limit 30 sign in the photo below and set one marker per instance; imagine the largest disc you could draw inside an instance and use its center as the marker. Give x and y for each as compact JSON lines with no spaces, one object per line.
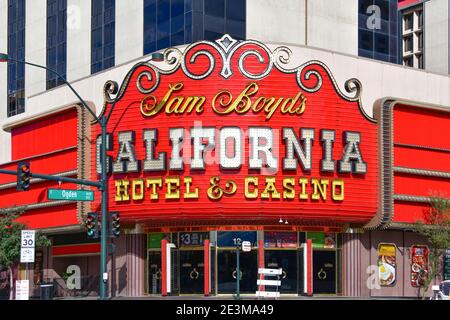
{"x":27,"y":244}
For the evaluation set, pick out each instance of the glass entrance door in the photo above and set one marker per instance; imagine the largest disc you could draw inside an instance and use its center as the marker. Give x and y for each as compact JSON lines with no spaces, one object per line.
{"x":191,"y":272}
{"x":286,"y":260}
{"x":154,"y":272}
{"x":227,"y":274}
{"x":324,"y":272}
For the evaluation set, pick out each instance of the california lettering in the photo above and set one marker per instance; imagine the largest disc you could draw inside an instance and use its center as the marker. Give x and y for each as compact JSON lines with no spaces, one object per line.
{"x":194,"y":148}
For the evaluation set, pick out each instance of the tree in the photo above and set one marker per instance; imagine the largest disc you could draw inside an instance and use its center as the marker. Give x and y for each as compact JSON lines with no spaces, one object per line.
{"x":436,"y":229}
{"x":10,"y":236}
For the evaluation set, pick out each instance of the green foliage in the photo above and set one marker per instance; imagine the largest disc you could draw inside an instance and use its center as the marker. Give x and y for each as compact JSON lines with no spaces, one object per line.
{"x":10,"y":236}
{"x":436,"y":230}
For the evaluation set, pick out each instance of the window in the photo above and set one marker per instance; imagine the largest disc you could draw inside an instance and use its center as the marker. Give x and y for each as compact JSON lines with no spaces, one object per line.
{"x":16,"y":50}
{"x":420,"y":18}
{"x":224,"y":16}
{"x":420,"y":38}
{"x":408,"y":44}
{"x":408,"y":61}
{"x":408,"y":21}
{"x":103,"y":35}
{"x":56,"y":41}
{"x":413,"y":33}
{"x":420,"y":61}
{"x":169,"y":23}
{"x":379,"y":35}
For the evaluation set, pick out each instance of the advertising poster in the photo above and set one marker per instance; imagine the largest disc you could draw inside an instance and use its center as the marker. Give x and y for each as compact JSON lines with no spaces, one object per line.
{"x":387,"y":264}
{"x":322,"y":240}
{"x":233,"y":239}
{"x":447,"y":265}
{"x":154,"y":240}
{"x":280,"y":240}
{"x":419,"y":265}
{"x":188,"y":239}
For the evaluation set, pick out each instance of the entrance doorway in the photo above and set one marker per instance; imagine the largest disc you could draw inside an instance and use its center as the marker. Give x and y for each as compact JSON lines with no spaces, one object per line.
{"x":154,"y":272}
{"x":227,"y":273}
{"x":324,"y":272}
{"x":192,"y":272}
{"x":286,"y":260}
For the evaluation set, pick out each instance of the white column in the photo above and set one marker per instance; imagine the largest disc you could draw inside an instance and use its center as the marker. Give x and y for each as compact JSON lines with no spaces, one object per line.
{"x":276,"y":21}
{"x":333,"y":25}
{"x":35,"y":47}
{"x":78,"y":39}
{"x":129,"y":30}
{"x":5,"y":144}
{"x":437,"y":37}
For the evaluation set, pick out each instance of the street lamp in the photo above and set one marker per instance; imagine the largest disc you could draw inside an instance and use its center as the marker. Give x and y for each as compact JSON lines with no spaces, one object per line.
{"x":102,"y":183}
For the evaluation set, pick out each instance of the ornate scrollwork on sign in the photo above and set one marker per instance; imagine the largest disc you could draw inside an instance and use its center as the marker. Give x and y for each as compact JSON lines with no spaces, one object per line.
{"x":110,"y":88}
{"x":220,"y":54}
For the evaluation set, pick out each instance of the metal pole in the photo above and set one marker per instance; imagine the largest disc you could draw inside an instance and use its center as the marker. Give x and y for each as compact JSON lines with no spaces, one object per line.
{"x":238,"y":274}
{"x":104,"y":231}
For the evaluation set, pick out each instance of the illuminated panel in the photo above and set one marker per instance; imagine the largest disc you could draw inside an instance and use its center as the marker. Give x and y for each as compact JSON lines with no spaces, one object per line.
{"x":55,"y":132}
{"x":421,"y":159}
{"x":306,"y":147}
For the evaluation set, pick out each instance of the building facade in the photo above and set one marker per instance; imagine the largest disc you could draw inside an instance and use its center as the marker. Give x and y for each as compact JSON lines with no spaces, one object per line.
{"x":100,"y":50}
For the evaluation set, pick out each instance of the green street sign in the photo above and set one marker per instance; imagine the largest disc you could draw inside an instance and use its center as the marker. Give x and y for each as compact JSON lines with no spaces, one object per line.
{"x":70,"y":195}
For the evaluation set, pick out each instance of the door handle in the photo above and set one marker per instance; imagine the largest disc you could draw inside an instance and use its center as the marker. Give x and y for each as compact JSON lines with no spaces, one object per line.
{"x":158,"y":274}
{"x":194,"y":275}
{"x":322,"y":274}
{"x":284,"y":275}
{"x":235,"y":273}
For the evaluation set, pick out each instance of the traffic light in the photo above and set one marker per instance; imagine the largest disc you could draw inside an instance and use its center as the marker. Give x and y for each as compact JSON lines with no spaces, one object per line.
{"x":23,"y":176}
{"x":115,"y":224}
{"x":92,"y":225}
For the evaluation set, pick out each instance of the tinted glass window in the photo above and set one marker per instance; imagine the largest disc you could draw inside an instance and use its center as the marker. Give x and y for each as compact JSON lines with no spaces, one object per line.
{"x":379,"y":31}
{"x":169,"y":23}
{"x":16,"y":50}
{"x":56,"y":41}
{"x":103,"y":35}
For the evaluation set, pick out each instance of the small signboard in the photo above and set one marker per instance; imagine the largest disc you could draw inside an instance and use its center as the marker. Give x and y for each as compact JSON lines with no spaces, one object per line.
{"x":188,"y":239}
{"x":70,"y":195}
{"x":270,"y":271}
{"x":246,"y":246}
{"x":26,"y":255}
{"x":22,"y":290}
{"x":447,"y":265}
{"x":270,"y":283}
{"x":28,"y":239}
{"x":235,"y":238}
{"x":27,"y":244}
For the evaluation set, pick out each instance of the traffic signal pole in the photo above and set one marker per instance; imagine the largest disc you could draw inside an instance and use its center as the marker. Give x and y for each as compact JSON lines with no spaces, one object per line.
{"x":55,"y":178}
{"x":104,"y":232}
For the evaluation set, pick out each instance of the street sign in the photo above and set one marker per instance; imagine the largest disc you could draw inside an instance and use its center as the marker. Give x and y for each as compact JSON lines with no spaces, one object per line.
{"x":27,"y":243}
{"x":246,"y":246}
{"x":272,"y":283}
{"x":28,"y":239}
{"x":26,"y":255}
{"x":70,"y":195}
{"x":22,"y":290}
{"x":267,"y":294}
{"x":270,"y":271}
